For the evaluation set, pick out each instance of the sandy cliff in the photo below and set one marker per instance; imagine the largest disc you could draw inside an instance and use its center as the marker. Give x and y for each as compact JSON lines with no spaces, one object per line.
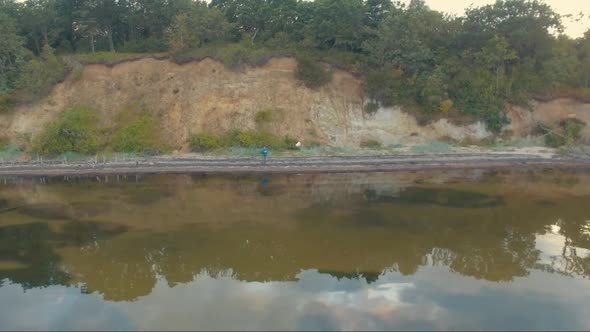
{"x":205,"y":96}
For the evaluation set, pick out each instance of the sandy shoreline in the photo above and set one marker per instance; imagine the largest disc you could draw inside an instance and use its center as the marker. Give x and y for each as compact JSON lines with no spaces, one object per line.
{"x":326,"y":164}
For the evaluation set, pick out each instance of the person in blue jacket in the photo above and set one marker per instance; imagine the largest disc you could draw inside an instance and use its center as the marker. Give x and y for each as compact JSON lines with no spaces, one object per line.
{"x":264,"y":153}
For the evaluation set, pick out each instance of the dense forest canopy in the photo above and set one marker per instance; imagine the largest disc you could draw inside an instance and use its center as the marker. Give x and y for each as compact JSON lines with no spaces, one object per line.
{"x":409,"y":54}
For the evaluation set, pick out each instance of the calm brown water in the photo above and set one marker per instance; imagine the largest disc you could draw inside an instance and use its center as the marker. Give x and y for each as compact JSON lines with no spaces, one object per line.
{"x":462,"y":250}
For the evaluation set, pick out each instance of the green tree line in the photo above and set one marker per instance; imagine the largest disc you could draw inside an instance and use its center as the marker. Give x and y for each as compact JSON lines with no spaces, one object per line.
{"x":409,"y":54}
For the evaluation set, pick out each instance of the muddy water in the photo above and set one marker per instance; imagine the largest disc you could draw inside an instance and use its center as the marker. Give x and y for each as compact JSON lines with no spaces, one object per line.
{"x":444,"y":250}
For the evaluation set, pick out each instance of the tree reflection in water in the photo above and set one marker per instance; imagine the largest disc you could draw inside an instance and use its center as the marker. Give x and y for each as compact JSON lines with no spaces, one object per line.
{"x":120,"y":239}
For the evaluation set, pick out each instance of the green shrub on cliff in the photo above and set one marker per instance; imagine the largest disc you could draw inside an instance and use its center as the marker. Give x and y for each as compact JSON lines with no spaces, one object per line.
{"x":573,"y":130}
{"x":370,"y":144}
{"x":566,"y":132}
{"x":250,"y":138}
{"x":204,"y":142}
{"x":39,"y":75}
{"x":554,"y":140}
{"x":371,"y":108}
{"x":201,"y":142}
{"x":263,"y":117}
{"x":76,"y":130}
{"x":138,"y":135}
{"x":290,"y":143}
{"x":311,"y":73}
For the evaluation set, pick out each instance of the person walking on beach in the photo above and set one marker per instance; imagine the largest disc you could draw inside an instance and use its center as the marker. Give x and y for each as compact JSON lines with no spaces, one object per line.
{"x":264,"y":153}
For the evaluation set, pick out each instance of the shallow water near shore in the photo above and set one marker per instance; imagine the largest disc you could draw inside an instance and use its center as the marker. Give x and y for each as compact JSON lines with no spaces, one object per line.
{"x":463,"y":249}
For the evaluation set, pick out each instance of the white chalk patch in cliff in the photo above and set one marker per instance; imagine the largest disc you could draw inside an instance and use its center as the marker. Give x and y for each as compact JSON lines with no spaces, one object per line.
{"x":391,"y":125}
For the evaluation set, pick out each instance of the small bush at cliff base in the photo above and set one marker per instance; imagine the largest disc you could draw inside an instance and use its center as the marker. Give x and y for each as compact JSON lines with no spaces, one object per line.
{"x":250,"y":139}
{"x":566,"y":132}
{"x":244,"y":139}
{"x":554,"y":140}
{"x":204,"y":142}
{"x":573,"y":129}
{"x":76,"y":131}
{"x":139,"y":135}
{"x":371,"y":144}
{"x":290,"y":143}
{"x":312,"y":74}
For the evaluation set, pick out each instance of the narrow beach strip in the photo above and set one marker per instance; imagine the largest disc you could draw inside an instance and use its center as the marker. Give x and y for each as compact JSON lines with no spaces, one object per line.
{"x":324,"y":164}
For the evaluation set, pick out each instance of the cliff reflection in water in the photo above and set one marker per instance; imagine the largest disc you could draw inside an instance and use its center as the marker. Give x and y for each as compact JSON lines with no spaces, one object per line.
{"x":121,"y":237}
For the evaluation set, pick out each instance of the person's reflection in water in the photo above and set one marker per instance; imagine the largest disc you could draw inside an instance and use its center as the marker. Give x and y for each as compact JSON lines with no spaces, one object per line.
{"x":264,"y":181}
{"x":263,"y":187}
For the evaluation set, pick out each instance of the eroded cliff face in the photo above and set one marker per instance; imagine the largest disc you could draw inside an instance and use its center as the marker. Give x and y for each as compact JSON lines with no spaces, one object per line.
{"x":205,"y":96}
{"x":523,"y":121}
